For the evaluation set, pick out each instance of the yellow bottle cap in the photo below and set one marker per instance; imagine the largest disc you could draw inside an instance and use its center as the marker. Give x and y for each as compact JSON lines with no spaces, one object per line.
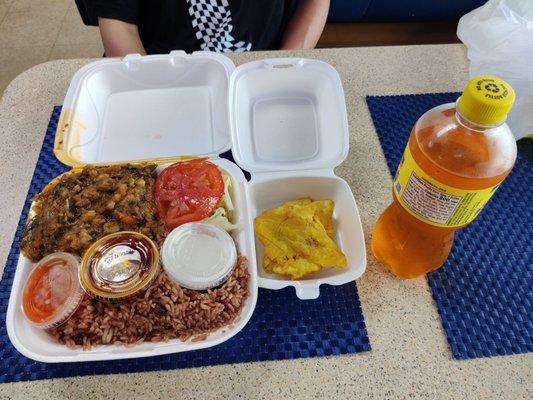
{"x":486,"y":100}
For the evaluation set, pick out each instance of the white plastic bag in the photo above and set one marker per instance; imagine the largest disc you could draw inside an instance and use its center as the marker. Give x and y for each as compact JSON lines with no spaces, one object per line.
{"x":499,"y":38}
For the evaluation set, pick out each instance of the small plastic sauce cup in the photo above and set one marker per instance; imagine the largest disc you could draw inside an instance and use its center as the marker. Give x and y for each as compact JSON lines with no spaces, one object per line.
{"x":52,"y":292}
{"x":119,"y":266}
{"x":199,"y":256}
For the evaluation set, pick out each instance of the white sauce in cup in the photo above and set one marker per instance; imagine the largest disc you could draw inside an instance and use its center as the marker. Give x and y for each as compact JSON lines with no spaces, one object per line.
{"x":199,"y":256}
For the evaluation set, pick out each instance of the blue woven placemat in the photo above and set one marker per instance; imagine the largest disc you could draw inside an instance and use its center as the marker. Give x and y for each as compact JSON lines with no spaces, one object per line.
{"x":282,"y":326}
{"x":484,"y":292}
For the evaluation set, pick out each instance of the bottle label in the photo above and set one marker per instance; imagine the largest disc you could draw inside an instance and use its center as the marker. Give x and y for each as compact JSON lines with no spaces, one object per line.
{"x":434,"y":202}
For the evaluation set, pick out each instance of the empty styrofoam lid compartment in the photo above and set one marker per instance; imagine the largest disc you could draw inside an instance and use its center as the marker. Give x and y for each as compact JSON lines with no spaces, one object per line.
{"x":288,"y":114}
{"x":148,"y":107}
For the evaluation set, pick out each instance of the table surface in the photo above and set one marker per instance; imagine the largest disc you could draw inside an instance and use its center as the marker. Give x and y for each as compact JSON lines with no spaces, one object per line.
{"x":410,"y":355}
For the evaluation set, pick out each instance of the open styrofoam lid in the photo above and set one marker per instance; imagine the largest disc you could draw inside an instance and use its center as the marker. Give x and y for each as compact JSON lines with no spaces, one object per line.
{"x":287,"y":114}
{"x":152,"y":107}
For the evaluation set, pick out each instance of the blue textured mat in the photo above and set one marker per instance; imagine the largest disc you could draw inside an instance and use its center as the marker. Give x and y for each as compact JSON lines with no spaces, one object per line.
{"x":282,"y":326}
{"x":484,"y":292}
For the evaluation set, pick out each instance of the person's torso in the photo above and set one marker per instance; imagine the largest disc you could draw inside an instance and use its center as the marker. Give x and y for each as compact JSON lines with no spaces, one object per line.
{"x":214,"y":25}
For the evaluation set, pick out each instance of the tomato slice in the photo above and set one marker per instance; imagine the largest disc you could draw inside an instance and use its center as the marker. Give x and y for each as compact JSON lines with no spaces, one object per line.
{"x":188,"y":191}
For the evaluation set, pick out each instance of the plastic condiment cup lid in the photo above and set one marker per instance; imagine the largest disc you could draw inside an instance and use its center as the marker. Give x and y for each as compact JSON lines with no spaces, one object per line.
{"x":119,"y":265}
{"x":52,"y":292}
{"x":199,"y":256}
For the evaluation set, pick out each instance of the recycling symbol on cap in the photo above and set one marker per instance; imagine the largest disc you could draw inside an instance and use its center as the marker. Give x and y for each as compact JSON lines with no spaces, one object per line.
{"x":492,"y":87}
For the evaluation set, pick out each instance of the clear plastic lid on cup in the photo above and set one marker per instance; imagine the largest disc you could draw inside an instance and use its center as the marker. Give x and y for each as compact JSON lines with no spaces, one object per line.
{"x":52,"y":292}
{"x":119,"y":266}
{"x":199,"y":256}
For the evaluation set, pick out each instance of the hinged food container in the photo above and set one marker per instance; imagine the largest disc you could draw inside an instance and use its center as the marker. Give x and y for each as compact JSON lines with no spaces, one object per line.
{"x":285,"y":121}
{"x":290,"y":130}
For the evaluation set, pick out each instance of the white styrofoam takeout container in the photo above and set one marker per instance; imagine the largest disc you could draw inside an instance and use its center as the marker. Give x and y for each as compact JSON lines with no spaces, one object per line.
{"x":290,"y":130}
{"x":285,"y":121}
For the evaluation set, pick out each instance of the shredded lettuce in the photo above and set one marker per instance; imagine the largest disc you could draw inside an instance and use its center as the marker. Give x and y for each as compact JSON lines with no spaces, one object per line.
{"x":223,"y":215}
{"x":220,"y":219}
{"x":226,"y":202}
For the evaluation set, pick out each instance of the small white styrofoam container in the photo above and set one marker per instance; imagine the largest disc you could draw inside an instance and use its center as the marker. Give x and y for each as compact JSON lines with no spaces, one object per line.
{"x":290,"y":130}
{"x":285,"y":120}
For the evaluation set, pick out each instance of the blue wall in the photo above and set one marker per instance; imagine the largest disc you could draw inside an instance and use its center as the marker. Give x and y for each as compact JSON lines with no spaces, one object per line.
{"x":399,"y":10}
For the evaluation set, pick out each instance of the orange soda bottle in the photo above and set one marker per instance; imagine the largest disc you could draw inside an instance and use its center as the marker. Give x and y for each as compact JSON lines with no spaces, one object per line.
{"x":456,"y":157}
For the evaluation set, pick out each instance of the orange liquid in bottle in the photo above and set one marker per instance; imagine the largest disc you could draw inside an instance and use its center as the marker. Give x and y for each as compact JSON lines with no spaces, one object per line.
{"x":458,"y":154}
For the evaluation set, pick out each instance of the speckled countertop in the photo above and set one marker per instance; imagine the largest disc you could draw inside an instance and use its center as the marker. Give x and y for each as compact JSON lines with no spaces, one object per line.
{"x":410,"y":357}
